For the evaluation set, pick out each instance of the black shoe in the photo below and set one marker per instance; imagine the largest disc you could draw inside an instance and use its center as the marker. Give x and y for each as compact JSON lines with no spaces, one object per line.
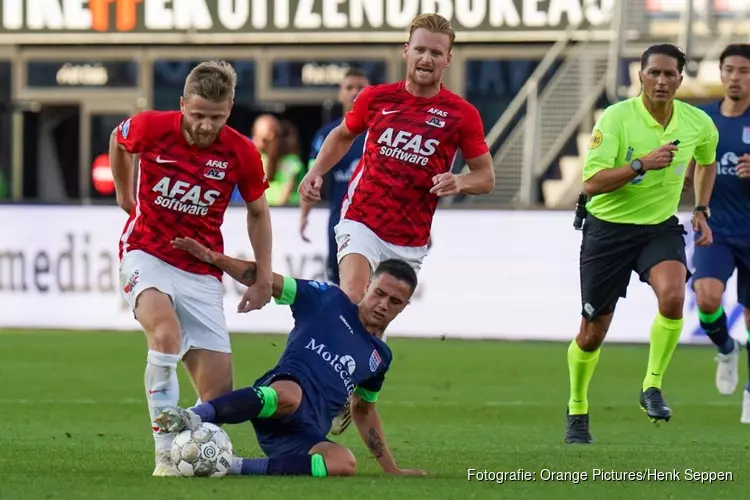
{"x":652,"y":402}
{"x":577,"y":429}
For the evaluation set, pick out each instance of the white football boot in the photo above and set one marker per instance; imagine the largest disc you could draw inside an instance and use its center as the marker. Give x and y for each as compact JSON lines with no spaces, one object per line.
{"x":176,"y":419}
{"x":343,"y":419}
{"x":727,"y":370}
{"x":745,"y":418}
{"x":164,"y":466}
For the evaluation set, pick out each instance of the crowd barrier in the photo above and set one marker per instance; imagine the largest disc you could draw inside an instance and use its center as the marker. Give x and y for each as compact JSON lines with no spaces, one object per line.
{"x":489,"y":274}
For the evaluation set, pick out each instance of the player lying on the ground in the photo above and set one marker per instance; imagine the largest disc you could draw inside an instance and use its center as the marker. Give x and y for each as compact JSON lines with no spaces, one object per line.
{"x":334,"y":350}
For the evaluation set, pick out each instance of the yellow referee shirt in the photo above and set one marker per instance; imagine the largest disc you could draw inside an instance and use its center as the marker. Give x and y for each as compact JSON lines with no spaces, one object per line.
{"x":626,"y":131}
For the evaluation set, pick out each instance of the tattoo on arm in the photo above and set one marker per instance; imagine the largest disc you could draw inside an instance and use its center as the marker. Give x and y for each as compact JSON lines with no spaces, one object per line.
{"x":250,"y":274}
{"x":375,"y":443}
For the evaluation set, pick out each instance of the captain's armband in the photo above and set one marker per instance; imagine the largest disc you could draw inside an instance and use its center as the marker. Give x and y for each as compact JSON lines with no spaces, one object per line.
{"x":288,"y":292}
{"x":365,"y":395}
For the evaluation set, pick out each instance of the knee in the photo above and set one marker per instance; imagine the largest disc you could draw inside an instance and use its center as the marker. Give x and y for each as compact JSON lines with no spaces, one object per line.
{"x":156,"y":315}
{"x":671,"y":301}
{"x":591,"y":334}
{"x":341,"y":463}
{"x":708,"y":302}
{"x":165,"y":338}
{"x":289,"y":395}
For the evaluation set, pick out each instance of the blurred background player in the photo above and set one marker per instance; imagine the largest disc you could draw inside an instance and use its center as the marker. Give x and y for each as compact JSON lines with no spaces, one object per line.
{"x":291,"y":405}
{"x":414,"y":128}
{"x":190,"y":162}
{"x":632,"y":224}
{"x":337,"y":180}
{"x":730,"y":220}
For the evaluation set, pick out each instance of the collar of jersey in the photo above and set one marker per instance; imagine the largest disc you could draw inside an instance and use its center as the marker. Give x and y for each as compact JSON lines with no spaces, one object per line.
{"x":650,"y":120}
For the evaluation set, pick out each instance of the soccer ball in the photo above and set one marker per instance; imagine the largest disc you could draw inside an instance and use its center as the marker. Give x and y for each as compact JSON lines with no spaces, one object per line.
{"x":204,"y":452}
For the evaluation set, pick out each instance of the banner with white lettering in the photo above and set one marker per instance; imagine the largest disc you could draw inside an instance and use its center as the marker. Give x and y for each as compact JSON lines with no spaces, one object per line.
{"x":489,"y":274}
{"x":260,"y":21}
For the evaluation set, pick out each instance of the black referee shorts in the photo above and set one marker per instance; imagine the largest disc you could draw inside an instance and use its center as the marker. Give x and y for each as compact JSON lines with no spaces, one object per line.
{"x":610,"y":252}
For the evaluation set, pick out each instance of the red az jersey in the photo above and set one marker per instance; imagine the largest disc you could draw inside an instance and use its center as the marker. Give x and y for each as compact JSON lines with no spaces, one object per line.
{"x":409,"y":140}
{"x":183,"y":190}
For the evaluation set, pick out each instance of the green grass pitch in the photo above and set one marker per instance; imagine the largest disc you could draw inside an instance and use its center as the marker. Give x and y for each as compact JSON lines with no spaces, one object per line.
{"x":74,"y":424}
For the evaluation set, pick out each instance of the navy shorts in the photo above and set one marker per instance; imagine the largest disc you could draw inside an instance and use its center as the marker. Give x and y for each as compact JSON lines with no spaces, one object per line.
{"x":719,"y":261}
{"x":293,"y":434}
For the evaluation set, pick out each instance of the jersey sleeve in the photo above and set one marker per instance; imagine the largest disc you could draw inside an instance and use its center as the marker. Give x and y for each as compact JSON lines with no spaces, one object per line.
{"x":302,"y":295}
{"x":369,"y":390}
{"x":134,"y":133}
{"x":604,"y":145}
{"x":473,"y":143}
{"x":252,"y":182}
{"x":705,"y":153}
{"x":357,"y":117}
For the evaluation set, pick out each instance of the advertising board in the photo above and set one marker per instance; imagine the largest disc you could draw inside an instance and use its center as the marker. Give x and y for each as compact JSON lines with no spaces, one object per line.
{"x":489,"y":274}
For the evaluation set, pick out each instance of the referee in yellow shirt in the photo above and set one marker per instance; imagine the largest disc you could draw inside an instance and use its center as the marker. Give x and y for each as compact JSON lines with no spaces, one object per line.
{"x":634,"y":174}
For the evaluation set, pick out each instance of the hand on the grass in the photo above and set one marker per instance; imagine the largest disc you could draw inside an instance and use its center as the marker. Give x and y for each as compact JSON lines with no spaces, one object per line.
{"x":195,"y":249}
{"x":409,"y":472}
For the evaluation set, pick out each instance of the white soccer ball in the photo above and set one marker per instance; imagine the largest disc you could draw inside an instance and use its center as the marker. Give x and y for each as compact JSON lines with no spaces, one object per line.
{"x":204,"y":452}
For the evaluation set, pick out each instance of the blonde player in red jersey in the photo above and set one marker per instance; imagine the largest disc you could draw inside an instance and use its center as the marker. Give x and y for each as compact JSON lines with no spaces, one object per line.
{"x":190,"y":163}
{"x":414,"y":128}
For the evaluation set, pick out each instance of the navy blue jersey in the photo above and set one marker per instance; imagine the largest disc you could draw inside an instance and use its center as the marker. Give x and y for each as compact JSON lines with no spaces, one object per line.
{"x":338,"y":177}
{"x":730,"y":200}
{"x":330,"y":349}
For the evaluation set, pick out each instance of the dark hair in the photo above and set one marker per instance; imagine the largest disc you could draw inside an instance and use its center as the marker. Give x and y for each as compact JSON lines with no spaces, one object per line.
{"x":735,"y":49}
{"x":665,"y":49}
{"x":355,"y":72}
{"x":400,"y":270}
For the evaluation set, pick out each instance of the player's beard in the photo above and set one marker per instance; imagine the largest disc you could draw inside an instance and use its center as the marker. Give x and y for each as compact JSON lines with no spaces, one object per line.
{"x":203,"y":139}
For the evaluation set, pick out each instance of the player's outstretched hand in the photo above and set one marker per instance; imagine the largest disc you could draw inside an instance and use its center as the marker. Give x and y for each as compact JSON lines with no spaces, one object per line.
{"x":255,"y":297}
{"x":446,"y":184}
{"x":409,"y":472}
{"x":743,"y":167}
{"x":659,"y":158}
{"x":309,"y":188}
{"x":195,"y":249}
{"x":700,"y":226}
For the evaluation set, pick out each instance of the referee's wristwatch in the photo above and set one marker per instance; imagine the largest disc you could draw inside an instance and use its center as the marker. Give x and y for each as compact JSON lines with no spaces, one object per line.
{"x":637,"y":166}
{"x":704,"y":210}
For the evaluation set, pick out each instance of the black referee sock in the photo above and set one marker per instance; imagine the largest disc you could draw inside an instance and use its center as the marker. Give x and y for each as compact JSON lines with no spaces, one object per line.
{"x":715,"y":326}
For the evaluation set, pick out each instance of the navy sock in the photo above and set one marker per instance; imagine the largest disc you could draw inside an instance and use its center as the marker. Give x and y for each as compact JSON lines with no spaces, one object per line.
{"x":716,"y":329}
{"x":290,"y":465}
{"x":239,"y":406}
{"x":254,"y":467}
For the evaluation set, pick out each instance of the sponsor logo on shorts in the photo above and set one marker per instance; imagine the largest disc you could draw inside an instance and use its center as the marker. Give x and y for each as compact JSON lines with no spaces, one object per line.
{"x":344,"y":366}
{"x":132,"y":281}
{"x":345,"y":243}
{"x":375,"y":361}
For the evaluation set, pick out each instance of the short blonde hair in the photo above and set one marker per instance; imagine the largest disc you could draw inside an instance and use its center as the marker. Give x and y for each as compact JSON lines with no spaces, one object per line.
{"x":212,"y":80}
{"x":434,"y":23}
